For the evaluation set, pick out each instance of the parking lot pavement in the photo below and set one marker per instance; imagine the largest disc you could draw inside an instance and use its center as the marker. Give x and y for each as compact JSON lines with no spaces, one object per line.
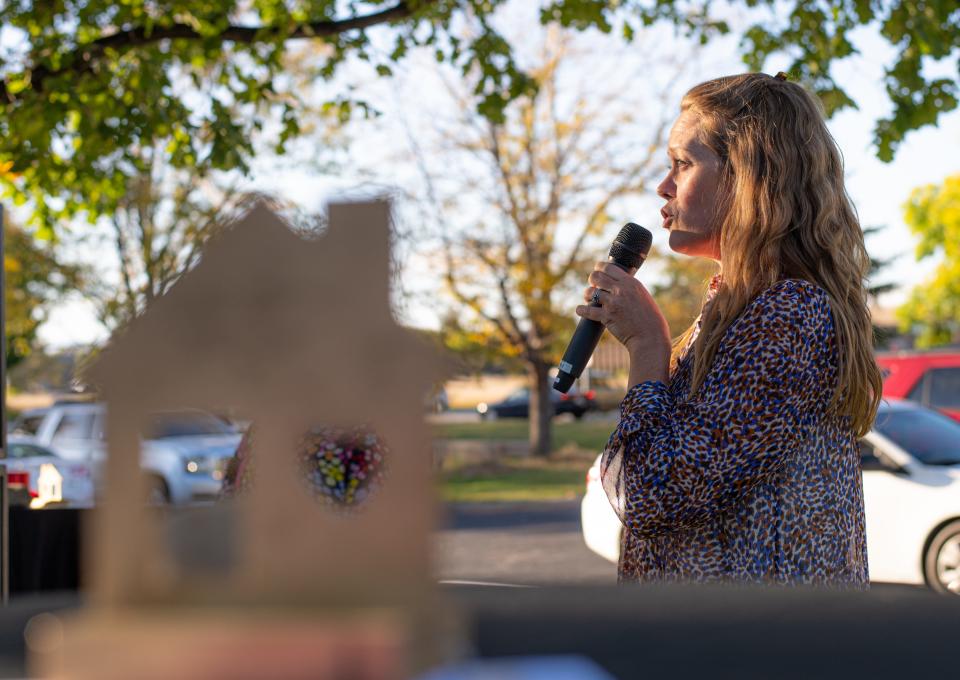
{"x":518,"y":543}
{"x":534,"y":544}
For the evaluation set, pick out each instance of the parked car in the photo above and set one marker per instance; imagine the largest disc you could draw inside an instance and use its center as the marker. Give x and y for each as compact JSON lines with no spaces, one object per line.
{"x":911,"y":488}
{"x":39,"y":477}
{"x":517,"y":404}
{"x":27,"y":423}
{"x":184,"y":453}
{"x":928,"y":378}
{"x":74,"y":430}
{"x":187,"y":453}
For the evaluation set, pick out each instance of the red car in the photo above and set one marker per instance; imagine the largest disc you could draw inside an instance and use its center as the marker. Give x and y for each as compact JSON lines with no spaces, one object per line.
{"x":928,"y":378}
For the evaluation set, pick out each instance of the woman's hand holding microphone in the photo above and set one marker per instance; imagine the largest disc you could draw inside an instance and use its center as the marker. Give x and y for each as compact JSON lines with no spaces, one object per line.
{"x":632,"y":316}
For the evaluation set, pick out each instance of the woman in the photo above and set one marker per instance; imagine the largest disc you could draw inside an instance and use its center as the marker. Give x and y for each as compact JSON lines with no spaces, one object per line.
{"x":736,"y":457}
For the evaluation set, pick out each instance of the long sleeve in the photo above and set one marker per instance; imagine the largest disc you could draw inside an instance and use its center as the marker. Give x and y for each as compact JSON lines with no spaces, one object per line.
{"x":672,"y":463}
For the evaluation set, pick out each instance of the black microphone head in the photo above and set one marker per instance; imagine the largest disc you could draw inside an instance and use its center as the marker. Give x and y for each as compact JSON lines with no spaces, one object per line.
{"x":631,"y":246}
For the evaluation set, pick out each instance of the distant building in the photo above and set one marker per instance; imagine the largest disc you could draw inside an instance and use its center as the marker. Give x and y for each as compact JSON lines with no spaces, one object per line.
{"x":610,"y":363}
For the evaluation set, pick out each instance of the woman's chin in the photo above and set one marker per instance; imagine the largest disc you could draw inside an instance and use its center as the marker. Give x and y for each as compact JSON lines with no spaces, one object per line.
{"x":683,"y":242}
{"x":691,"y":244}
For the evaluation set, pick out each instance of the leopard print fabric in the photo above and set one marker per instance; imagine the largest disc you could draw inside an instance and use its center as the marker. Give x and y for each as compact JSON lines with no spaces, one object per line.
{"x":752,"y":479}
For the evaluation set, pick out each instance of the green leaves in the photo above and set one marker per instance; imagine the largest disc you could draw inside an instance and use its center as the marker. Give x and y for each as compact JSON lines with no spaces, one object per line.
{"x":579,"y":15}
{"x":36,"y":279}
{"x":498,"y":78}
{"x":933,"y":309}
{"x":99,"y":82}
{"x":817,"y":34}
{"x":89,"y":83}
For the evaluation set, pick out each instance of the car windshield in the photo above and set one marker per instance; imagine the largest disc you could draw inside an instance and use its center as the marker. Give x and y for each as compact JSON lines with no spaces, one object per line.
{"x":930,"y":437}
{"x":27,"y":424}
{"x":186,"y":424}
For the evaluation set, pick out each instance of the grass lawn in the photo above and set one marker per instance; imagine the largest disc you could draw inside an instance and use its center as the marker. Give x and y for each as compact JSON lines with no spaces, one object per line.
{"x":583,"y":434}
{"x":561,"y":476}
{"x":519,"y":479}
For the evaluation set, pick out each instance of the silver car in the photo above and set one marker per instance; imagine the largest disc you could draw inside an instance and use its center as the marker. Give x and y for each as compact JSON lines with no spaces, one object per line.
{"x":184,"y":453}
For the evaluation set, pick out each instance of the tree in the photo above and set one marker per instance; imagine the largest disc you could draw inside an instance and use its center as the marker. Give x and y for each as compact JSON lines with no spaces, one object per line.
{"x":89,"y":84}
{"x":48,"y":372}
{"x":933,"y":309}
{"x":680,"y":293}
{"x":86,"y":84}
{"x":518,"y":208}
{"x":35,"y":280}
{"x":157,"y":231}
{"x":471,"y":345}
{"x":818,"y":34}
{"x":166,"y":215}
{"x":876,"y":288}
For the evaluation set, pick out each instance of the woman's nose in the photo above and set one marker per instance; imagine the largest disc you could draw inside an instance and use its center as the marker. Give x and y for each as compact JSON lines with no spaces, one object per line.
{"x":667,"y":189}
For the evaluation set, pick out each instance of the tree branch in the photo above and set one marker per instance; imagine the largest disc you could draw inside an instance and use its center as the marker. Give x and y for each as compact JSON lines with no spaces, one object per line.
{"x":82,"y":59}
{"x":501,"y":272}
{"x":635,"y":182}
{"x":120,"y":242}
{"x":474,"y":304}
{"x":503,"y":175}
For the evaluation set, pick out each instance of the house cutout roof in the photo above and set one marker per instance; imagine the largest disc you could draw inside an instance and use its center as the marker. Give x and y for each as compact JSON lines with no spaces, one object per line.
{"x":277,"y":303}
{"x":294,"y":334}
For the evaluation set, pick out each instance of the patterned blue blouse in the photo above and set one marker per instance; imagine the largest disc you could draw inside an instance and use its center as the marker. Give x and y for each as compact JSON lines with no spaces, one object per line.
{"x":752,"y":479}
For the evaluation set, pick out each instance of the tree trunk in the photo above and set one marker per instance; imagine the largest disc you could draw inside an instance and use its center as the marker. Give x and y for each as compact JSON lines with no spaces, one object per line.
{"x":541,"y":409}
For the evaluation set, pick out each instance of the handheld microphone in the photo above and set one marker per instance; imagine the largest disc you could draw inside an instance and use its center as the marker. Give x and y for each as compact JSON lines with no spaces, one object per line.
{"x":628,"y":252}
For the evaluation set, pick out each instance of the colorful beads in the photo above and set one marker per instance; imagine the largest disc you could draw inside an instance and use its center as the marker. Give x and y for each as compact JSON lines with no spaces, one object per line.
{"x":342,"y":465}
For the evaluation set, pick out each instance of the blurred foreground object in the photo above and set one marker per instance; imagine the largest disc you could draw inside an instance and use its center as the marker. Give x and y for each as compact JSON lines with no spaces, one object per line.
{"x":270,"y":583}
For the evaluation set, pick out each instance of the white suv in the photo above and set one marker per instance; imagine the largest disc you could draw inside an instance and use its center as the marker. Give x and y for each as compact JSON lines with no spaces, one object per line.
{"x":184,"y":453}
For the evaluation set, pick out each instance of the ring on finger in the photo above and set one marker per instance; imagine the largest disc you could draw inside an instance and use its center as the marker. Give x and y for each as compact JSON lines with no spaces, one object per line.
{"x":596,"y":296}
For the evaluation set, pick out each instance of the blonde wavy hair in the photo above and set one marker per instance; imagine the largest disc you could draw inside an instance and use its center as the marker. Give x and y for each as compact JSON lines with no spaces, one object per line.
{"x":784,"y":213}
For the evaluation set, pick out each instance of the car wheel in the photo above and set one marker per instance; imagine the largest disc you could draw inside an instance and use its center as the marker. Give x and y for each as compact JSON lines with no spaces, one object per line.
{"x":157,"y":491}
{"x":941,"y":563}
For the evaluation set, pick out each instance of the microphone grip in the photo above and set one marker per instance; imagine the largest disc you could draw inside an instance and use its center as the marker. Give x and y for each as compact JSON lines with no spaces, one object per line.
{"x":578,"y":353}
{"x":582,"y":344}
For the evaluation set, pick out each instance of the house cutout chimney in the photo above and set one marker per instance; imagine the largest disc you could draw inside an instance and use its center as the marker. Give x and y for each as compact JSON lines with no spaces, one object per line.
{"x":293,"y":334}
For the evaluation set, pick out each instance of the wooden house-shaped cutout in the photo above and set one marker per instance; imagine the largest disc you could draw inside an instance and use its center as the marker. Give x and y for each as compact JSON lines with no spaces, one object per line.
{"x":291,"y":333}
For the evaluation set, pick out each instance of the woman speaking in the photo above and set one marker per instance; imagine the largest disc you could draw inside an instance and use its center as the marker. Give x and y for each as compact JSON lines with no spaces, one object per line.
{"x":736,"y":457}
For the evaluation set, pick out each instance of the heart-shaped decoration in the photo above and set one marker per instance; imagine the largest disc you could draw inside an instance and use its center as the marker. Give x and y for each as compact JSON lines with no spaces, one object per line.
{"x":342,"y":466}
